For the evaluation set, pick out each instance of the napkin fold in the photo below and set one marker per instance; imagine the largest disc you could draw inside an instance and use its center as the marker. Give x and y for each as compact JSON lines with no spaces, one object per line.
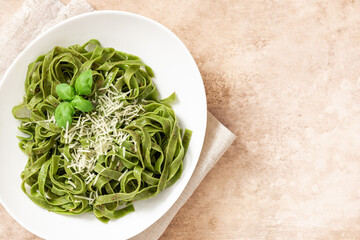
{"x":36,"y":16}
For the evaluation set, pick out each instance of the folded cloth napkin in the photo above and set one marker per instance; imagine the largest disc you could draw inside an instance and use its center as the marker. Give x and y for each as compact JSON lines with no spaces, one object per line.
{"x":36,"y":16}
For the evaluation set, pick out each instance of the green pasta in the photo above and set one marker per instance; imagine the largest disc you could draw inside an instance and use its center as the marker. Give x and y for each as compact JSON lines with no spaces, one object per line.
{"x":127,"y":146}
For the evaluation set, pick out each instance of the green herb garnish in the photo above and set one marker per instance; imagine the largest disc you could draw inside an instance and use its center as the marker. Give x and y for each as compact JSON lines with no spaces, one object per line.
{"x":83,"y":83}
{"x":82,"y":104}
{"x":65,"y":92}
{"x":65,"y":111}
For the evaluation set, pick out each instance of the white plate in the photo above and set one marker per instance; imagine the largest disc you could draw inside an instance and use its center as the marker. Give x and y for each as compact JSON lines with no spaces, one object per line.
{"x":175,"y":70}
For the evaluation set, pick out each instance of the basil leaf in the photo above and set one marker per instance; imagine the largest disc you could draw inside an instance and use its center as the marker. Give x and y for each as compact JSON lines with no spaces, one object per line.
{"x":64,"y":113}
{"x":82,"y":104}
{"x":65,"y":92}
{"x":83,"y":83}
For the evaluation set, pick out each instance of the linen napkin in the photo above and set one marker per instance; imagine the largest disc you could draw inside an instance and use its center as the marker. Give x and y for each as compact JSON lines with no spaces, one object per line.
{"x":34,"y":17}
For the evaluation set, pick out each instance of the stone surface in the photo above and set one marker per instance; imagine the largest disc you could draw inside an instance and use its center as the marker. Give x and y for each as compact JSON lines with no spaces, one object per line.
{"x":285,"y":77}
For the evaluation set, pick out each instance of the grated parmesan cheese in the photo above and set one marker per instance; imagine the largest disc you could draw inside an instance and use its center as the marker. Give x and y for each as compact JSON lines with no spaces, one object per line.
{"x":122,"y":175}
{"x":101,"y":129}
{"x":72,"y":184}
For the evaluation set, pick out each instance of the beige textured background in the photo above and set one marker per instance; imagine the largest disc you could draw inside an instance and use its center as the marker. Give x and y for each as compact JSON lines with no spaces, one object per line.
{"x":285,"y":77}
